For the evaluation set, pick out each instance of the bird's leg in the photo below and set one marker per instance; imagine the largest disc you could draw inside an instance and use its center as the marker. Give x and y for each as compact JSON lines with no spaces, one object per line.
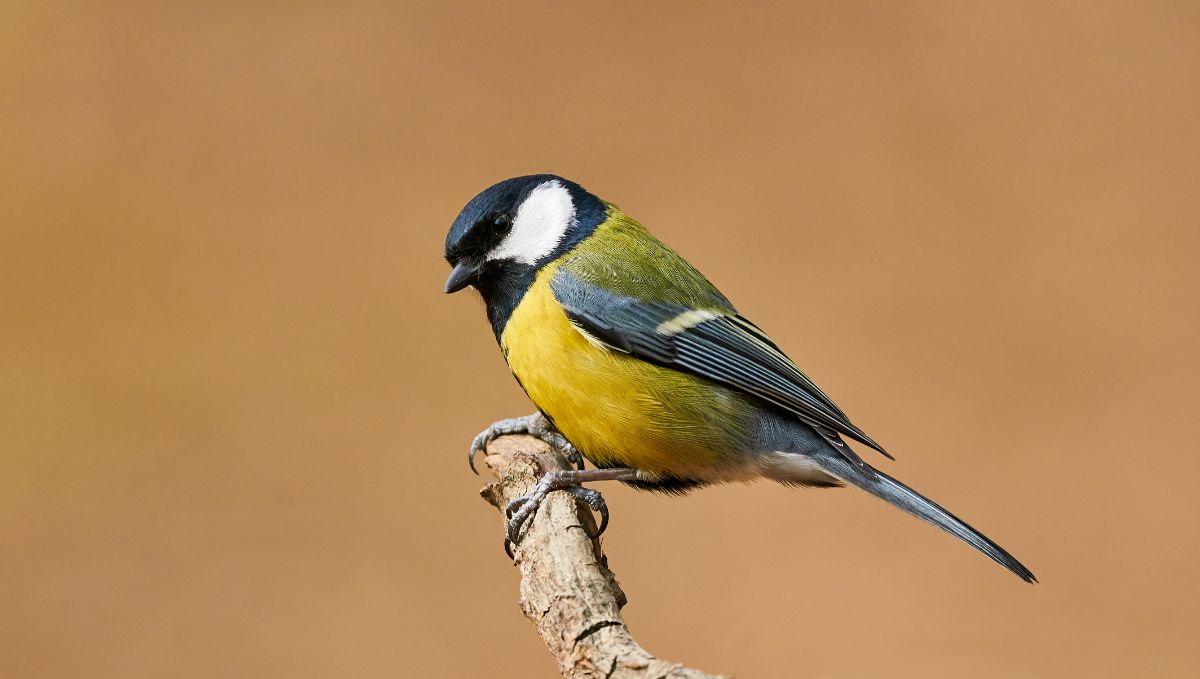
{"x":535,"y":425}
{"x":523,"y":508}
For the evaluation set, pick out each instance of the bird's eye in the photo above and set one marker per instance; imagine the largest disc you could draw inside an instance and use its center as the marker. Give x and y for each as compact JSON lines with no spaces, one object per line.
{"x":498,"y":226}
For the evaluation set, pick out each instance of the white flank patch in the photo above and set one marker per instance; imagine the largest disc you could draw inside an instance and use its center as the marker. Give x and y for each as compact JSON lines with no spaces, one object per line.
{"x":684,"y":321}
{"x":782,"y":466}
{"x":540,"y":224}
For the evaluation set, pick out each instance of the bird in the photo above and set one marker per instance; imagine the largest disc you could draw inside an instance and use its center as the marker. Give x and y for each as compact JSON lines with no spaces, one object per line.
{"x":638,"y":364}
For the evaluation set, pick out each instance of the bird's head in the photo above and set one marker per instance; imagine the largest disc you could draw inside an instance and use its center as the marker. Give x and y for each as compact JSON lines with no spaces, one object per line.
{"x":518,"y":224}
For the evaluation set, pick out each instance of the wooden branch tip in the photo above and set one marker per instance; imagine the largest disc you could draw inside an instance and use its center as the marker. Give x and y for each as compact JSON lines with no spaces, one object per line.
{"x":567,"y":589}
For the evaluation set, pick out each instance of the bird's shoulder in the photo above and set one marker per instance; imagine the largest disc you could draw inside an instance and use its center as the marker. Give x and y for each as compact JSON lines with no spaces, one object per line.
{"x":623,"y":258}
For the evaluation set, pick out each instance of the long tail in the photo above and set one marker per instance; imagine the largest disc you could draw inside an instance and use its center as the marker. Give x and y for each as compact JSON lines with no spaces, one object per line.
{"x":886,"y":488}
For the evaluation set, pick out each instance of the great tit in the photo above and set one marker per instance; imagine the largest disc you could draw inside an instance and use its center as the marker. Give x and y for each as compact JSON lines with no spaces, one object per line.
{"x":636,"y":361}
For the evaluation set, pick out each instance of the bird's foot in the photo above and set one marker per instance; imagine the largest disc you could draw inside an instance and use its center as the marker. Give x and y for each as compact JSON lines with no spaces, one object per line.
{"x":522,"y":509}
{"x":535,"y":425}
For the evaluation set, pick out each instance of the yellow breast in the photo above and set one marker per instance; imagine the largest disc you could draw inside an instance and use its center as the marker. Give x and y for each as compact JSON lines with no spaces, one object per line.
{"x":618,"y":410}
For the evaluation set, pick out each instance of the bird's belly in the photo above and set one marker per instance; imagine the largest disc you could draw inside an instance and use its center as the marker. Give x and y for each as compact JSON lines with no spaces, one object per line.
{"x":618,"y":410}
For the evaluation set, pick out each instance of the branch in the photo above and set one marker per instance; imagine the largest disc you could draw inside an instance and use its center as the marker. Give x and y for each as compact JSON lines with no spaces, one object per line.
{"x":567,"y":590}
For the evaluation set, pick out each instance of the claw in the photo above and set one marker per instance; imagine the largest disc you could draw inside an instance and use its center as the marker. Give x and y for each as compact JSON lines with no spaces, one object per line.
{"x":573,"y":456}
{"x":533,"y":425}
{"x":477,"y":444}
{"x":595,"y":500}
{"x":515,"y":505}
{"x":522,"y":509}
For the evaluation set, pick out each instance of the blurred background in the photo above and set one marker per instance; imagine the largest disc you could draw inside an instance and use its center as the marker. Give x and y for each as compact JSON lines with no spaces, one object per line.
{"x":235,"y":404}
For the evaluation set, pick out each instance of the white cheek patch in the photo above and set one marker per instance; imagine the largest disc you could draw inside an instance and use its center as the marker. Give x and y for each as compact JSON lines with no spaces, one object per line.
{"x":539,"y":226}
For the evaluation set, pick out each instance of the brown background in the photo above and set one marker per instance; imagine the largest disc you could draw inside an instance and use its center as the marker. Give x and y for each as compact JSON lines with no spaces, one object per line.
{"x":234,"y":403}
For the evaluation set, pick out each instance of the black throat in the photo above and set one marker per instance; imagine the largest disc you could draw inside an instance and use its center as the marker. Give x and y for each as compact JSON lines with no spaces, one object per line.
{"x":502,"y":289}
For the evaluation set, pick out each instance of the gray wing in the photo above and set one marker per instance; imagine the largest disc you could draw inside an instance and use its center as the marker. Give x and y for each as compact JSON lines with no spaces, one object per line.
{"x":716,"y":344}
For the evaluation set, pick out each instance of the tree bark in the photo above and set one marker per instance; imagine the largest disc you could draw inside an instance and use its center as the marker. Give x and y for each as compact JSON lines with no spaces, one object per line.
{"x":567,"y":589}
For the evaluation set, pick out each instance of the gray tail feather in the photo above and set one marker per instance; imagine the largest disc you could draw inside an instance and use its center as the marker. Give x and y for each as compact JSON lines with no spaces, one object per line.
{"x":886,"y":488}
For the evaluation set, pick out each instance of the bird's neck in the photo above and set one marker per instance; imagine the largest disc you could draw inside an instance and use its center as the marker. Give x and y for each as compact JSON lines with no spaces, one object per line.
{"x":502,"y":291}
